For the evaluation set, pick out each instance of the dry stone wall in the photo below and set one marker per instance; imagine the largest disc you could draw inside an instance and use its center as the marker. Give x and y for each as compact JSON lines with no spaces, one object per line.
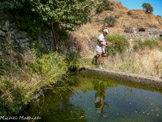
{"x":134,"y":32}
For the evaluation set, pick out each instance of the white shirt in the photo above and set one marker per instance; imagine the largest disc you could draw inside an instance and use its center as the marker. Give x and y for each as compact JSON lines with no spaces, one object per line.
{"x":99,"y":48}
{"x":103,"y":39}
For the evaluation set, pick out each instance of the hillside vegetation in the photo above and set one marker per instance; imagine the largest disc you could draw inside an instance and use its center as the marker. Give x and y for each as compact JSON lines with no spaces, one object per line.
{"x":145,"y":61}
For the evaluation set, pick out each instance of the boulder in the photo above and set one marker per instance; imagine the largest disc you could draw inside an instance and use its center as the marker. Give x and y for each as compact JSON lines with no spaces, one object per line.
{"x":130,"y":30}
{"x":2,"y":33}
{"x":2,"y":39}
{"x":20,"y":35}
{"x":5,"y":26}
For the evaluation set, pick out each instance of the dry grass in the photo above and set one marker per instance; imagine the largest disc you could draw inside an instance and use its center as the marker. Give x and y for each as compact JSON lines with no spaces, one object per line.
{"x":88,"y":30}
{"x":144,"y":62}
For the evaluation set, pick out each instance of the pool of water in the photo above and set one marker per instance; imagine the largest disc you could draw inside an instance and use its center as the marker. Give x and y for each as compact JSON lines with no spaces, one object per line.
{"x":98,"y":100}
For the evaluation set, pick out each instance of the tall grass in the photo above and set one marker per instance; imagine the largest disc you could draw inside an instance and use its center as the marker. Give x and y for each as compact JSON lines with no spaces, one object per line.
{"x":143,"y":63}
{"x":147,"y":43}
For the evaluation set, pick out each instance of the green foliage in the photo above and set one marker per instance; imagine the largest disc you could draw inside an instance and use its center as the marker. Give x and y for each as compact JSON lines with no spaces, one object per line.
{"x":119,"y":44}
{"x":160,"y":38}
{"x":150,"y":43}
{"x":110,"y":20}
{"x":159,"y":16}
{"x":33,"y":16}
{"x":135,"y":48}
{"x":21,"y":84}
{"x":147,"y":8}
{"x":104,"y":5}
{"x":141,"y":45}
{"x":74,"y":60}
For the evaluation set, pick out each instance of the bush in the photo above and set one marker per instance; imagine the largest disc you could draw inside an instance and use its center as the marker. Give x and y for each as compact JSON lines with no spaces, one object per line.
{"x":160,"y":38}
{"x":147,"y":8}
{"x":104,"y":5}
{"x":119,"y":44}
{"x":100,"y":8}
{"x":135,"y":48}
{"x":159,"y":16}
{"x":25,"y":83}
{"x":148,"y":43}
{"x":129,"y":13}
{"x":141,"y":45}
{"x":110,"y":20}
{"x":74,"y":61}
{"x":151,"y":43}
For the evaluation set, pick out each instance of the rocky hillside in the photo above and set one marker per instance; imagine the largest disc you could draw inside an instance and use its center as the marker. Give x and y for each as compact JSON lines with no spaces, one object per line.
{"x":146,"y":62}
{"x":85,"y":37}
{"x":127,"y":18}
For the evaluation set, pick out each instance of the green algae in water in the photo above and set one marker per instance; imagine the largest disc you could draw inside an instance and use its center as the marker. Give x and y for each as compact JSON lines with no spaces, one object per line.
{"x":97,"y":100}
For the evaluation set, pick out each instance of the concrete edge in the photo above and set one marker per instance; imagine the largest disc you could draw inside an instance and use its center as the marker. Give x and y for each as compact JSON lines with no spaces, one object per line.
{"x":153,"y":82}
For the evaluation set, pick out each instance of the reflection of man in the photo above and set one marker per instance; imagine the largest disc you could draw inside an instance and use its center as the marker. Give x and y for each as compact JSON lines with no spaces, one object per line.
{"x":99,"y":98}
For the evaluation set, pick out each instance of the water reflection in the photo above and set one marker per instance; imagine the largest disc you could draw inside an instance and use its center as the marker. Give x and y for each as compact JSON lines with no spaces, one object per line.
{"x":95,"y":100}
{"x":56,"y":108}
{"x":100,"y":97}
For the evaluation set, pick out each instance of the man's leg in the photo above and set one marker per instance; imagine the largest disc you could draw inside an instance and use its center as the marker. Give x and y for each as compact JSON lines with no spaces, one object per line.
{"x":99,"y":59}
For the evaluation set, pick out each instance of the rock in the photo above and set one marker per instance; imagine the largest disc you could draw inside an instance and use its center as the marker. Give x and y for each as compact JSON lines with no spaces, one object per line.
{"x":143,"y":32}
{"x":2,"y":33}
{"x":7,"y":25}
{"x":26,"y":40}
{"x":130,"y":30}
{"x":2,"y":39}
{"x":1,"y":52}
{"x":73,"y":49}
{"x":20,"y":35}
{"x":3,"y":28}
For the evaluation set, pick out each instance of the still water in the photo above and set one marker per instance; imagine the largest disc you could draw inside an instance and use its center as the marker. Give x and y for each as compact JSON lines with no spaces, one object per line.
{"x":98,"y":100}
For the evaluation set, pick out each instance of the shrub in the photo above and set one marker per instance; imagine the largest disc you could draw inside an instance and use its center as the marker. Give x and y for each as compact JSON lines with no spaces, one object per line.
{"x":159,"y":16}
{"x":129,"y":13}
{"x":104,"y":5}
{"x":74,"y":61}
{"x":140,"y":44}
{"x":151,"y":43}
{"x":119,"y":44}
{"x":160,"y":38}
{"x":110,"y":20}
{"x":148,"y":43}
{"x":135,"y":48}
{"x":25,"y":83}
{"x":147,"y":8}
{"x":100,"y":8}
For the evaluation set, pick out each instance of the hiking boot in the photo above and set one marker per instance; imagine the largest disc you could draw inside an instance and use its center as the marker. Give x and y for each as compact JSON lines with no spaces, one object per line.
{"x":100,"y":67}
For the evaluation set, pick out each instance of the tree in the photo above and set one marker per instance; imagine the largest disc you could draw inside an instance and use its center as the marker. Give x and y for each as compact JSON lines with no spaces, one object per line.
{"x":110,"y":20}
{"x":147,"y":8}
{"x":104,"y":5}
{"x":35,"y":15}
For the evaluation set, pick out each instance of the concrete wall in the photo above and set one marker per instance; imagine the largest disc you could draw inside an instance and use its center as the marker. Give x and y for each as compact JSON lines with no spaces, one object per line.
{"x":152,"y":82}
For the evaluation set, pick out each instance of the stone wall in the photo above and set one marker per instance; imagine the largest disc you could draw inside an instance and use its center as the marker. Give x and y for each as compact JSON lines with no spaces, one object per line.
{"x":9,"y":30}
{"x":21,"y":39}
{"x":134,"y":32}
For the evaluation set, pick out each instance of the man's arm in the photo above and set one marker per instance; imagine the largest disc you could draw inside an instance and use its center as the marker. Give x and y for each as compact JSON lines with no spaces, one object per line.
{"x":109,"y":43}
{"x":101,"y":43}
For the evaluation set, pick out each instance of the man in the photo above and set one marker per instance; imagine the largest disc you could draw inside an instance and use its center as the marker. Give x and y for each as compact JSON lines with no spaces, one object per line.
{"x":101,"y":46}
